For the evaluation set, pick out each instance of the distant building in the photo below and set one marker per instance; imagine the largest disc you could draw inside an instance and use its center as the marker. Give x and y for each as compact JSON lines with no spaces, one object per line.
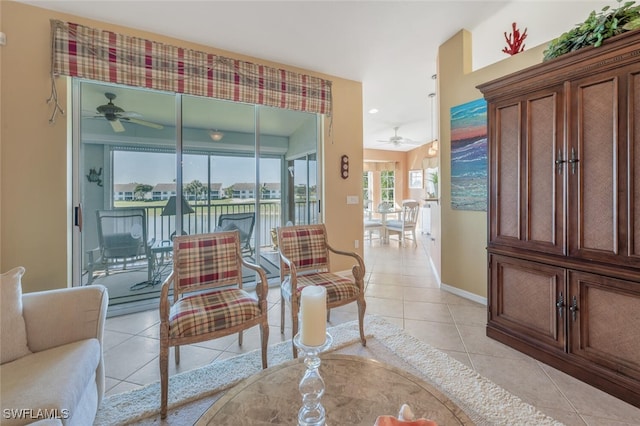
{"x":243,"y":190}
{"x":271,"y":191}
{"x":124,"y":191}
{"x":162,"y":191}
{"x":215,"y":191}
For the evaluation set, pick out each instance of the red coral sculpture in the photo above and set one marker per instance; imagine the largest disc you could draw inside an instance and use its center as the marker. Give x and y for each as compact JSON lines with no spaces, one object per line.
{"x":514,"y":41}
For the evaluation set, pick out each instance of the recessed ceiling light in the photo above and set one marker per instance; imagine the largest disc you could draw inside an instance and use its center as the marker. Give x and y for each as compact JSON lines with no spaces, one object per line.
{"x":373,"y":110}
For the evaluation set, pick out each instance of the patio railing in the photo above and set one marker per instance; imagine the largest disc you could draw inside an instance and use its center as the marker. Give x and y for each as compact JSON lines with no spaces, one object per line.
{"x":205,"y":219}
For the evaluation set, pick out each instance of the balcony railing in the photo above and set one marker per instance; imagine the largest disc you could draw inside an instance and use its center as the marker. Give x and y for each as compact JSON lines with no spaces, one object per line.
{"x":205,"y":219}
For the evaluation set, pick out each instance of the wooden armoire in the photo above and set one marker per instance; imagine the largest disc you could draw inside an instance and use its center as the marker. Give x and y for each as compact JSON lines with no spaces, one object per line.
{"x":564,"y":213}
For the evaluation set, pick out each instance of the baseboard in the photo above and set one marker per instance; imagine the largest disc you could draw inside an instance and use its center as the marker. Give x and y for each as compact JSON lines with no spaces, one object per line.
{"x":463,"y":293}
{"x":434,"y":270}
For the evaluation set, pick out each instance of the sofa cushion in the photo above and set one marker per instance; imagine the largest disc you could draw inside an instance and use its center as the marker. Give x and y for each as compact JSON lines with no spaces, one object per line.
{"x":55,"y":379}
{"x":12,"y":326}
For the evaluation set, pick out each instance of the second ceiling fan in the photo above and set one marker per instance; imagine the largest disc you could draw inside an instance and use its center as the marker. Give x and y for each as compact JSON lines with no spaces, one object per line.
{"x":399,"y":140}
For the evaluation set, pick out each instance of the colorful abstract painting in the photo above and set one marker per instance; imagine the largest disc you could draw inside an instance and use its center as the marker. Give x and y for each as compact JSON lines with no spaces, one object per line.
{"x":469,"y":156}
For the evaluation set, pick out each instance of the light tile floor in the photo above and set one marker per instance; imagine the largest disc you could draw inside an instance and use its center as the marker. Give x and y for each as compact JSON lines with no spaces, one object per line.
{"x":400,"y":287}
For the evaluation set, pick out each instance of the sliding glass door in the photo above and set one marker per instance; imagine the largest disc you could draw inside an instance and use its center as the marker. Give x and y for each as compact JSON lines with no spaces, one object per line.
{"x":186,"y":165}
{"x":304,"y":205}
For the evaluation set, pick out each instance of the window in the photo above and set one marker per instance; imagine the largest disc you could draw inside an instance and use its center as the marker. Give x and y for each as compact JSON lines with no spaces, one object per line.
{"x":367,"y":195}
{"x":387,"y":185}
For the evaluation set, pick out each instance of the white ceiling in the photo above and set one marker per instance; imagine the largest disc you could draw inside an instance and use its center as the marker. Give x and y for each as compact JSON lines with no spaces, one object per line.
{"x":390,"y":46}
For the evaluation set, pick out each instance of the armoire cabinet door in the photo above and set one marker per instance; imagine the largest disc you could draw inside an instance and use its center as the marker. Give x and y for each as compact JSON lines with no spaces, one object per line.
{"x":593,"y":164}
{"x":526,"y":203}
{"x":604,"y":322}
{"x":504,"y":172}
{"x":529,"y":300}
{"x":633,"y":178}
{"x":542,"y":175}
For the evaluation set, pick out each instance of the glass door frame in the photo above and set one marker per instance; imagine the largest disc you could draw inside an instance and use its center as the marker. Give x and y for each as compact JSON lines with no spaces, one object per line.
{"x":77,"y":170}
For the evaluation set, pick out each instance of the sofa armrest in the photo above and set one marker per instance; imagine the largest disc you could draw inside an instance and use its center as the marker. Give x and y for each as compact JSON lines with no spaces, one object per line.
{"x":58,"y":317}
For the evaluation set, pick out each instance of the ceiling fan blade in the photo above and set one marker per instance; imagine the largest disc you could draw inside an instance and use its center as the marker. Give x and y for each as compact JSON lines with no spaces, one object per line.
{"x":116,"y":125}
{"x":145,"y":123}
{"x":129,"y":114}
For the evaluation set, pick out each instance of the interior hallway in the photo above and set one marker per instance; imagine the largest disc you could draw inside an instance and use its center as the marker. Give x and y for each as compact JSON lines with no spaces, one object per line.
{"x":400,"y":287}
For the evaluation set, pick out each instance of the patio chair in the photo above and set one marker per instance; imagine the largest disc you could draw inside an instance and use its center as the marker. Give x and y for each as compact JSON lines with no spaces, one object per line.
{"x":406,"y":223}
{"x":122,"y":239}
{"x":208,"y":299}
{"x":244,"y":223}
{"x":304,"y":260}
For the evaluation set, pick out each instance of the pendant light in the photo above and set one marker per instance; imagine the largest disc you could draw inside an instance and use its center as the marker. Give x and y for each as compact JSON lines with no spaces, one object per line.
{"x":433,"y":149}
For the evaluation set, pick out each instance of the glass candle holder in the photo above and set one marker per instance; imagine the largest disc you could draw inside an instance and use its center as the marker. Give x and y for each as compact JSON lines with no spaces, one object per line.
{"x":311,"y":387}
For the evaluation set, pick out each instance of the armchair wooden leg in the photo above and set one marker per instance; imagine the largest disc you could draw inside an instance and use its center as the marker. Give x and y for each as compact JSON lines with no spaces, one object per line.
{"x":264,"y":335}
{"x":282,"y":308}
{"x":294,"y":326}
{"x":164,"y":380}
{"x":176,"y":350}
{"x":362,"y":306}
{"x":240,"y":338}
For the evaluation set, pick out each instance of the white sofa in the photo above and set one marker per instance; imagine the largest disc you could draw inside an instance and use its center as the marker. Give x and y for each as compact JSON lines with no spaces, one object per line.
{"x":60,"y":378}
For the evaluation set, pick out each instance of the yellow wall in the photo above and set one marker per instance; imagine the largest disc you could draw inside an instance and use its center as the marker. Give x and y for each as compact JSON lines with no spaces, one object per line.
{"x":35,"y":179}
{"x":464,"y":233}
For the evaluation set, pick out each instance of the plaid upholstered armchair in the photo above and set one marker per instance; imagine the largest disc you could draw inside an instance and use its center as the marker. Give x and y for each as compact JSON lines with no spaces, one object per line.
{"x":304,"y":260}
{"x":208,"y":299}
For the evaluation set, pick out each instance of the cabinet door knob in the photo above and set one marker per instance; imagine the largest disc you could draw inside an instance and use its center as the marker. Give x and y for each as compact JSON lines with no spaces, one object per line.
{"x":574,"y":308}
{"x":560,"y":304}
{"x":559,"y":162}
{"x":573,"y":161}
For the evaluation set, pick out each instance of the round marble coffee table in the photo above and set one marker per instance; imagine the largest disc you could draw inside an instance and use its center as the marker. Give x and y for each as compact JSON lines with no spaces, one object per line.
{"x":357,"y":391}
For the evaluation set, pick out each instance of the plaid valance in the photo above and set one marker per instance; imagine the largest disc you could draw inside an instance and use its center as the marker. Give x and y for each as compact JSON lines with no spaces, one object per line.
{"x":85,"y":52}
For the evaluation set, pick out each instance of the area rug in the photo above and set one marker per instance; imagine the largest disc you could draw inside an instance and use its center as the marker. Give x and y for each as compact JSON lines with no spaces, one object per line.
{"x":482,"y":400}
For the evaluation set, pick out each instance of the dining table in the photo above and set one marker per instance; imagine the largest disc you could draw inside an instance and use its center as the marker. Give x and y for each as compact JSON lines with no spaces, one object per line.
{"x":384,"y":212}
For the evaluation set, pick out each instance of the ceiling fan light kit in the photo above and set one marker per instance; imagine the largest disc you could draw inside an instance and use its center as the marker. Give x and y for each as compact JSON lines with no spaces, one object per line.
{"x":216,"y":135}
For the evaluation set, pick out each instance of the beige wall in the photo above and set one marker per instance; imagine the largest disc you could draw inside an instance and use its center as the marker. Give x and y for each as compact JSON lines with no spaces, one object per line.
{"x":464,"y":233}
{"x":35,"y":178}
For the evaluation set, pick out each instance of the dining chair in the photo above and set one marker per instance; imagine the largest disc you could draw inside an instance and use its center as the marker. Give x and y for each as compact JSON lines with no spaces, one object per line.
{"x":406,"y":223}
{"x":208,"y":299}
{"x":372,"y":224}
{"x":304,"y":261}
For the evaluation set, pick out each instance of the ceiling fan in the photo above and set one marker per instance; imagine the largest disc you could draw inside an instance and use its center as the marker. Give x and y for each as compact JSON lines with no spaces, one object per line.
{"x":398,"y":140}
{"x":114,"y":114}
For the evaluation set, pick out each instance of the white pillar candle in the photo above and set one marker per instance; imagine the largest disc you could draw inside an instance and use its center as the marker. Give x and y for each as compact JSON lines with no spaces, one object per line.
{"x":313,"y":315}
